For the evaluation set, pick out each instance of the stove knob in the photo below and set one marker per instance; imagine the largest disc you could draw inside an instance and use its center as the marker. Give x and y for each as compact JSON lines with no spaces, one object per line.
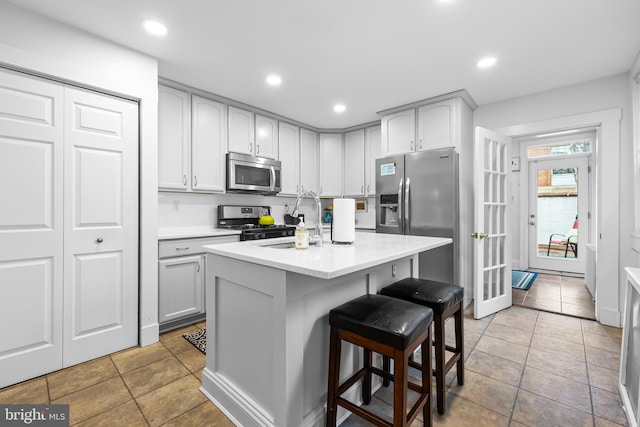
{"x":263,"y":235}
{"x":284,"y":233}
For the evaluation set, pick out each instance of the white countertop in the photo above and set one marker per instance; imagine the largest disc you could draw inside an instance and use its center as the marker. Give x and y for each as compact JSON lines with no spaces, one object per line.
{"x":329,"y":261}
{"x":194,"y":232}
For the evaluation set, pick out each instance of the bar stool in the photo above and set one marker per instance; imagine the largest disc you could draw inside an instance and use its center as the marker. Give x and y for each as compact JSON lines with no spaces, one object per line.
{"x":445,"y":301}
{"x":393,"y":328}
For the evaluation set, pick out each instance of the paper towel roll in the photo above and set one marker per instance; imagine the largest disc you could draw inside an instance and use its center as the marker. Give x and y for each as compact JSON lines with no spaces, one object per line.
{"x":344,"y":221}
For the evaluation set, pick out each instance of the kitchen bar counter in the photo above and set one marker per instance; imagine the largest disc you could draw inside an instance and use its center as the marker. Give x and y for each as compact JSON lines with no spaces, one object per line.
{"x":267,"y":320}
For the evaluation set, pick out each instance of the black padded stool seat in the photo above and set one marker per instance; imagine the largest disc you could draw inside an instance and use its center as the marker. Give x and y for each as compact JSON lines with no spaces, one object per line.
{"x":393,"y":328}
{"x":445,"y":300}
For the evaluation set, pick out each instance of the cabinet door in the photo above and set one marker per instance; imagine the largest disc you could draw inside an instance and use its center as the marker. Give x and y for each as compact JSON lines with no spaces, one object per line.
{"x":209,"y":135}
{"x":241,"y":131}
{"x":354,"y":161}
{"x":331,"y":164}
{"x":181,"y":290}
{"x":437,"y":125}
{"x":289,"y":149}
{"x":399,"y":132}
{"x":373,"y":147}
{"x":308,"y":161}
{"x":173,"y":138}
{"x":266,"y":137}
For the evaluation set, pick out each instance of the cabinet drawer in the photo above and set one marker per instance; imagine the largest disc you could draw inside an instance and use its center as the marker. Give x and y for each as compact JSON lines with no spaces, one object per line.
{"x":181,"y":247}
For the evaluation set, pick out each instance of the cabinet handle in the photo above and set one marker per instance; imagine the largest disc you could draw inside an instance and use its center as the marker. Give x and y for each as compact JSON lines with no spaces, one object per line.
{"x":250,"y":147}
{"x":411,"y":145}
{"x":257,"y":148}
{"x":320,"y":190}
{"x":421,"y":144}
{"x":99,"y":240}
{"x":183,"y":249}
{"x":184,"y":179}
{"x":297,"y":188}
{"x":198,"y":266}
{"x":195,"y":180}
{"x":362,"y":189}
{"x":368,"y":188}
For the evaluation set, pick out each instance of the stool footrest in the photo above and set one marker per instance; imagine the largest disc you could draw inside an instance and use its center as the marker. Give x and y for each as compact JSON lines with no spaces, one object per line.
{"x":341,"y":401}
{"x":351,"y":381}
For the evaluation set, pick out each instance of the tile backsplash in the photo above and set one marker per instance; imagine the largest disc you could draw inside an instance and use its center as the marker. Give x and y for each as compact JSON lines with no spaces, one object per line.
{"x":201,"y":210}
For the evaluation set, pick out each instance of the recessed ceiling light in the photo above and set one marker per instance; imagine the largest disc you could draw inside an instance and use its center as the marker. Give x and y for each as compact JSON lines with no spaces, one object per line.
{"x":339,"y":108}
{"x":154,"y":27}
{"x":274,"y":80}
{"x":486,"y":62}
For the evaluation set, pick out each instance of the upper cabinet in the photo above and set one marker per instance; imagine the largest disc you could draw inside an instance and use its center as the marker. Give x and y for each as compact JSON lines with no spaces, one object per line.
{"x":241,"y":131}
{"x":399,"y":132}
{"x":430,"y":126}
{"x":331,"y":165}
{"x":266,"y":137}
{"x":192,"y":138}
{"x":308,"y":161}
{"x":289,"y":149}
{"x":439,"y":125}
{"x":174,"y":133}
{"x":208,"y":137}
{"x":252,"y":134}
{"x":372,"y":149}
{"x":354,"y":163}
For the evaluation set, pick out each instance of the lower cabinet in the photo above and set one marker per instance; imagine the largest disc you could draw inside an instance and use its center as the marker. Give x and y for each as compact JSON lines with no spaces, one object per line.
{"x":181,"y":280}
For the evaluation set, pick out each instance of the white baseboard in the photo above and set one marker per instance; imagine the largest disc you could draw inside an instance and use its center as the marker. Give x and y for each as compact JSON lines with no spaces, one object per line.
{"x":609,"y":317}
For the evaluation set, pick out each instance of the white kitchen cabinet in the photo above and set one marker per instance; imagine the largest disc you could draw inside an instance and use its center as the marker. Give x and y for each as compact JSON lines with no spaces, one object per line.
{"x":439,"y":125}
{"x":354,"y":163}
{"x":372,"y":148}
{"x":174,"y":133}
{"x":266,"y":137}
{"x":426,"y":127}
{"x":192,"y":135}
{"x":209,"y":136}
{"x":181,"y":279}
{"x":308,"y":160}
{"x":331,"y":165}
{"x":252,"y":134}
{"x":399,"y":132}
{"x":289,"y":150}
{"x":241,"y":131}
{"x":181,"y":287}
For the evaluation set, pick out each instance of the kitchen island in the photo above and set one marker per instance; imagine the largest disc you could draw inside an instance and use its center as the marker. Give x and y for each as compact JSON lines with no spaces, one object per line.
{"x":267,"y":320}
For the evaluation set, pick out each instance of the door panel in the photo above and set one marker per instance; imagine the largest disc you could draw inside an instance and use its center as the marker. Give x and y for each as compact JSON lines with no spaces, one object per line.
{"x":492,"y":261}
{"x":558,"y":213}
{"x":31,"y":227}
{"x":101,"y":225}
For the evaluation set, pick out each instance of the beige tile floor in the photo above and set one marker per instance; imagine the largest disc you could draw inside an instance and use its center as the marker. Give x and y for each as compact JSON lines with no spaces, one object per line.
{"x":557,"y":294}
{"x":523,"y":368}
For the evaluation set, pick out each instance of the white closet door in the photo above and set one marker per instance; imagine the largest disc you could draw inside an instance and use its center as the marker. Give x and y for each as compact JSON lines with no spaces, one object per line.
{"x":31,"y":227}
{"x":101,"y":225}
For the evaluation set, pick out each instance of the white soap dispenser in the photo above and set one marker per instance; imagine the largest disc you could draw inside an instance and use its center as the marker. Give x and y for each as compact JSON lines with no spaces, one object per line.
{"x":301,"y":236}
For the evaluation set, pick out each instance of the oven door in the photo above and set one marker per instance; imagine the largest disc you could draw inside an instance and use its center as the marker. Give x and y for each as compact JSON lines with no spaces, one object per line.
{"x":249,"y":174}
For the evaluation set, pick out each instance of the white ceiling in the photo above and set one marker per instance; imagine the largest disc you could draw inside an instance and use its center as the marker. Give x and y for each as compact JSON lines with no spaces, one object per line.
{"x":370,"y":55}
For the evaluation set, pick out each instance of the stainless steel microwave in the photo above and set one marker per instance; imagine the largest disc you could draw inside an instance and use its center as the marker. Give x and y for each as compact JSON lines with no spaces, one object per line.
{"x":250,"y":174}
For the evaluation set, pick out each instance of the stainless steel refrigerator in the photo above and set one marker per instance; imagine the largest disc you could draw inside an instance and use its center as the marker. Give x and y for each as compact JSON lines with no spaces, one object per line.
{"x":417,"y":194}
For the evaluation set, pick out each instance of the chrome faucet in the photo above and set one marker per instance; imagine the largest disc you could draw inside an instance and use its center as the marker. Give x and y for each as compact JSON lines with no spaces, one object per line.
{"x":317,"y":237}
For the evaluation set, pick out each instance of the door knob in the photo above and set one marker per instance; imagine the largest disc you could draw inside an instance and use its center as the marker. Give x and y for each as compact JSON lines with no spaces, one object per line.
{"x":99,"y":240}
{"x":532,"y":223}
{"x":479,"y":235}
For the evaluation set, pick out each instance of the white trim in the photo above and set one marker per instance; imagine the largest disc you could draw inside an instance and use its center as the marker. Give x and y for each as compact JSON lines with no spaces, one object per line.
{"x":607,"y":206}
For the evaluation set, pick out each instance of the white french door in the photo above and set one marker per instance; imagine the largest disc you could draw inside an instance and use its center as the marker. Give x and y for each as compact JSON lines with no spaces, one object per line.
{"x":68,"y":225}
{"x":492,"y":193}
{"x":558,"y":213}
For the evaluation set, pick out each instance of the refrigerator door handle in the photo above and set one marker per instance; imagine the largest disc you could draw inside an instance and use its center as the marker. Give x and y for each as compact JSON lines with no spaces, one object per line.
{"x":400,"y":210}
{"x":407,"y":218}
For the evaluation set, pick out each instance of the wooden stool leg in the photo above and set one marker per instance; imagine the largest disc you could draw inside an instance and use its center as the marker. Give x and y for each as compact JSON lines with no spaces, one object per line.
{"x":427,"y":379}
{"x":459,"y":319}
{"x":334,"y":377}
{"x":400,"y":385}
{"x":386,"y":366}
{"x":438,"y":323}
{"x":366,"y":381}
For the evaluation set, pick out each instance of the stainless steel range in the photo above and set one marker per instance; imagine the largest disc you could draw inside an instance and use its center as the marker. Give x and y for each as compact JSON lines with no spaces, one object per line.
{"x":247,"y":219}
